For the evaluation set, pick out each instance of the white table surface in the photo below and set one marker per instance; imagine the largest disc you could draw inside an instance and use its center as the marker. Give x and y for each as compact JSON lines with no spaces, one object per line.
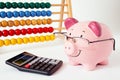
{"x":55,"y":50}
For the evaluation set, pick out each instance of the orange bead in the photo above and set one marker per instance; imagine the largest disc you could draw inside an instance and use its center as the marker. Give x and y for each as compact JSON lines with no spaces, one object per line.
{"x":0,"y":24}
{"x":10,"y":23}
{"x":16,"y":23}
{"x":49,"y":21}
{"x":4,"y":23}
{"x":28,"y":22}
{"x":34,"y":22}
{"x":22,"y":22}
{"x":44,"y":21}
{"x":39,"y":21}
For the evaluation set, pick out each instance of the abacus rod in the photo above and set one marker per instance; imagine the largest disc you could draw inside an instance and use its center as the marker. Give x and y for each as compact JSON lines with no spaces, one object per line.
{"x":59,"y":12}
{"x":57,"y":20}
{"x":59,"y":4}
{"x":58,"y":28}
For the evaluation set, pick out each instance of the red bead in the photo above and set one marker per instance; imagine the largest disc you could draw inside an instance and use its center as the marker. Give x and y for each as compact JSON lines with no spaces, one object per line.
{"x":29,"y":31}
{"x":35,"y":30}
{"x":23,"y":31}
{"x":17,"y":32}
{"x":11,"y":32}
{"x":40,"y":30}
{"x":45,"y":29}
{"x":1,"y":33}
{"x":50,"y":29}
{"x":5,"y":33}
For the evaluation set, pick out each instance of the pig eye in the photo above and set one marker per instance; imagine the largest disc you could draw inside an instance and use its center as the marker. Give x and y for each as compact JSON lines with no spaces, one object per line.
{"x":81,"y":36}
{"x":69,"y":33}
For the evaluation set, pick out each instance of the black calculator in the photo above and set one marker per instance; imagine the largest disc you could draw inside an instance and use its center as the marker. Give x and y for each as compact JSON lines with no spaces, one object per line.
{"x":31,"y":63}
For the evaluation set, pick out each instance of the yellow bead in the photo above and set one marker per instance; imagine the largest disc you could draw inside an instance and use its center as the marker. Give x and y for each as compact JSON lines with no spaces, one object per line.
{"x":42,"y":38}
{"x":1,"y":43}
{"x":37,"y":39}
{"x":47,"y":37}
{"x":19,"y":40}
{"x":52,"y":37}
{"x":13,"y":41}
{"x":31,"y":39}
{"x":7,"y":42}
{"x":25,"y":40}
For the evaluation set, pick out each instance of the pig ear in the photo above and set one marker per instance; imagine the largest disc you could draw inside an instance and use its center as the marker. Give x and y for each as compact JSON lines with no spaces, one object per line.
{"x":95,"y":27}
{"x":69,"y":22}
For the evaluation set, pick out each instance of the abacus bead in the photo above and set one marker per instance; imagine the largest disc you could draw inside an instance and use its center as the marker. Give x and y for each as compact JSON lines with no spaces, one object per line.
{"x":10,"y":23}
{"x":2,"y":5}
{"x":43,"y":13}
{"x":19,"y":40}
{"x":49,"y":21}
{"x":15,"y":13}
{"x":27,"y":13}
{"x":32,"y":5}
{"x":1,"y":43}
{"x":42,"y":5}
{"x":21,"y":14}
{"x":17,"y":31}
{"x":3,"y":14}
{"x":37,"y":5}
{"x":4,"y":23}
{"x":52,"y":37}
{"x":29,"y":31}
{"x":1,"y":33}
{"x":34,"y":22}
{"x":44,"y":21}
{"x":22,"y":22}
{"x":38,"y":13}
{"x":47,"y":37}
{"x":37,"y":39}
{"x":16,"y":23}
{"x":39,"y":21}
{"x":8,"y":5}
{"x":49,"y":13}
{"x":25,"y":40}
{"x":23,"y":31}
{"x":11,"y":32}
{"x":7,"y":42}
{"x":35,"y":30}
{"x":20,"y":5}
{"x":31,"y":39}
{"x":47,"y":5}
{"x":45,"y":29}
{"x":42,"y":38}
{"x":40,"y":30}
{"x":26,"y":5}
{"x":14,"y":5}
{"x":28,"y":22}
{"x":33,"y":13}
{"x":13,"y":41}
{"x":9,"y":14}
{"x":50,"y":29}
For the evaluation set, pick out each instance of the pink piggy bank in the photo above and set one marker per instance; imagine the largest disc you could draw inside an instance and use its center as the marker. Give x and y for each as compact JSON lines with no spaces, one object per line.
{"x":88,"y":43}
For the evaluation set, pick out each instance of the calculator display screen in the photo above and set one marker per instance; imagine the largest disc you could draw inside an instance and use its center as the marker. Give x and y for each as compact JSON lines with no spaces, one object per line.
{"x":23,"y":59}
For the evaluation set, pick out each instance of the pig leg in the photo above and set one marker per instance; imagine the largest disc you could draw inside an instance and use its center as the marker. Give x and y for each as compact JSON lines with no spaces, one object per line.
{"x":105,"y":62}
{"x":89,"y":67}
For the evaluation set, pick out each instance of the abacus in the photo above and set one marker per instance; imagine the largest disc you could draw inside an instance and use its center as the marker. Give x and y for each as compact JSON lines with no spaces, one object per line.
{"x":28,"y":22}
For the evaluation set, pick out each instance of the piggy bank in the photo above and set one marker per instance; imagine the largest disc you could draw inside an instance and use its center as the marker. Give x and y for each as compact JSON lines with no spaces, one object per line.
{"x":88,"y":43}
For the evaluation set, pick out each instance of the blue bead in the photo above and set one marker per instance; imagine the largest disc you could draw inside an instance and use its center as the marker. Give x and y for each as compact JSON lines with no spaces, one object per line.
{"x":15,"y":14}
{"x":21,"y":14}
{"x":33,"y":13}
{"x":3,"y":14}
{"x":49,"y":13}
{"x":27,"y":13}
{"x":38,"y":13}
{"x":43,"y":13}
{"x":9,"y":14}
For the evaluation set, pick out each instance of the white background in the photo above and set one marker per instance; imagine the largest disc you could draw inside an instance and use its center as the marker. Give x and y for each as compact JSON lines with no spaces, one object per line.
{"x":106,"y":11}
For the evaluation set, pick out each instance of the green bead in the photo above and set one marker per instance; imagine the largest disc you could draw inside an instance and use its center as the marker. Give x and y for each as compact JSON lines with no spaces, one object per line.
{"x":42,"y":5}
{"x":32,"y":5}
{"x":14,"y":5}
{"x":20,"y":5}
{"x":2,"y":5}
{"x":26,"y":5}
{"x":48,"y":5}
{"x":37,"y":5}
{"x":8,"y":5}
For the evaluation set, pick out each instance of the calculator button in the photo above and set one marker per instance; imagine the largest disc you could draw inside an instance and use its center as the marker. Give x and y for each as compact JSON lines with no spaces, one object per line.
{"x":50,"y":67}
{"x":44,"y":67}
{"x":54,"y":62}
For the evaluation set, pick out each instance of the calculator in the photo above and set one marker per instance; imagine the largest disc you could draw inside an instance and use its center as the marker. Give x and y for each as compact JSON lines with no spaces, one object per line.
{"x":28,"y":62}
